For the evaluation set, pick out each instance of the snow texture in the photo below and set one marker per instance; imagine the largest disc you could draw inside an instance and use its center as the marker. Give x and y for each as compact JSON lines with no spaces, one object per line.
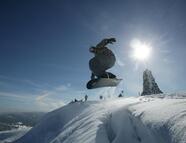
{"x":145,"y":119}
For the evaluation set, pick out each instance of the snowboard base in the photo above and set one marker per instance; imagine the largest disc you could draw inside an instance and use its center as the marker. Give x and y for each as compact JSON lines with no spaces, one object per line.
{"x":103,"y":82}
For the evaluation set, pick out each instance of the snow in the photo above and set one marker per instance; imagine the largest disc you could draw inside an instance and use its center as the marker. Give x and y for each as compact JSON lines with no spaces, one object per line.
{"x":14,"y":134}
{"x":152,"y":119}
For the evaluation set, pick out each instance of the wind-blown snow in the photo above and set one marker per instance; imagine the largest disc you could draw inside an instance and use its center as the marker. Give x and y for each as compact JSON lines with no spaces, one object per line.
{"x":152,"y":119}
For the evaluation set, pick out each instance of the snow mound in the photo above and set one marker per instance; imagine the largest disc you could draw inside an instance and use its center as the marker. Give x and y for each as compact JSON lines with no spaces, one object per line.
{"x":152,"y":119}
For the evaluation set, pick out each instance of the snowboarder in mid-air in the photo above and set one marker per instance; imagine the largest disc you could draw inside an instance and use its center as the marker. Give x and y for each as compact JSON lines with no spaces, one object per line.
{"x":103,"y":60}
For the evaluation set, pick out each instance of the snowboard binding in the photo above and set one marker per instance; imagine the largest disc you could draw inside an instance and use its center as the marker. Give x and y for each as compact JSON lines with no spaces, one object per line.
{"x":105,"y":80}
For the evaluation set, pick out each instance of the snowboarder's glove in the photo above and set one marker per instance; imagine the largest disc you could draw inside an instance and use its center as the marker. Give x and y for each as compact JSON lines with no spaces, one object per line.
{"x":111,"y":40}
{"x":92,"y":49}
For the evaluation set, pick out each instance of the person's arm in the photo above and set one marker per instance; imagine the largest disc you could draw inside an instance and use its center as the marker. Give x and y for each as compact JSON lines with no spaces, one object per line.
{"x":101,"y":46}
{"x":104,"y":42}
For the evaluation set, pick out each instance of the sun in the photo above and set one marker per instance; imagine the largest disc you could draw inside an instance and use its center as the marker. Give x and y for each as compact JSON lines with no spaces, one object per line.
{"x":141,"y":50}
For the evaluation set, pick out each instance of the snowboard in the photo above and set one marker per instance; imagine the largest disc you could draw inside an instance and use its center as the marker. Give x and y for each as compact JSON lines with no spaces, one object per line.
{"x":103,"y":82}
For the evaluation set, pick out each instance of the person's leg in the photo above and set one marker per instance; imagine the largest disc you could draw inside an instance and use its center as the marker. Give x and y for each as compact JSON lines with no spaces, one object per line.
{"x":107,"y":61}
{"x":99,"y":64}
{"x":96,"y":67}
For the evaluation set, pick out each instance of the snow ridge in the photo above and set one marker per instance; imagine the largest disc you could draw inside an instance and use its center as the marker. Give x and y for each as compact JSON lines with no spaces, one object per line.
{"x":149,"y":119}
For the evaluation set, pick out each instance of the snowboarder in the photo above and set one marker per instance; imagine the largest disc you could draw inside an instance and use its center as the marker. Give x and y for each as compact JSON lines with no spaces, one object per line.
{"x":103,"y":60}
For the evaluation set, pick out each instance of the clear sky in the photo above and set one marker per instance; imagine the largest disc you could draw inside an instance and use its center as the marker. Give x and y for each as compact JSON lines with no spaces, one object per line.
{"x":44,"y":48}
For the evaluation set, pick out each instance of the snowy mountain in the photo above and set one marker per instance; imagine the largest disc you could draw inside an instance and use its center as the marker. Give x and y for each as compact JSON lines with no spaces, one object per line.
{"x":152,"y":119}
{"x":15,"y":125}
{"x":11,"y":121}
{"x":13,"y":134}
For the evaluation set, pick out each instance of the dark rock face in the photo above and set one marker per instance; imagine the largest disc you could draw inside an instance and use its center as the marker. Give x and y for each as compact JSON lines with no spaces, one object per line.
{"x":149,"y":84}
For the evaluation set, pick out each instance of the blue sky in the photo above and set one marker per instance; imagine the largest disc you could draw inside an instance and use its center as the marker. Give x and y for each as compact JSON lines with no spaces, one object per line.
{"x":44,"y":48}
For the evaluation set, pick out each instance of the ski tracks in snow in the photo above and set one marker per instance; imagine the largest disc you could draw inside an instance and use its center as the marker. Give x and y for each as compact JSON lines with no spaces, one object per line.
{"x":128,"y":128}
{"x":84,"y":127}
{"x":100,"y":123}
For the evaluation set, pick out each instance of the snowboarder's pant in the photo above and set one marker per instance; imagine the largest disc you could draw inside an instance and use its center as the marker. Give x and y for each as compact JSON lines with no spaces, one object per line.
{"x":99,"y":64}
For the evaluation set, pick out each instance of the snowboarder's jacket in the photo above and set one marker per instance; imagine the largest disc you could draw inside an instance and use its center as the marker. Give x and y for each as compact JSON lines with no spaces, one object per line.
{"x":104,"y":57}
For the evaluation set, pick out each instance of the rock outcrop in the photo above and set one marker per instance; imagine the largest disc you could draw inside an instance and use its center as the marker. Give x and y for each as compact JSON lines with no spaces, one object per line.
{"x":149,"y":84}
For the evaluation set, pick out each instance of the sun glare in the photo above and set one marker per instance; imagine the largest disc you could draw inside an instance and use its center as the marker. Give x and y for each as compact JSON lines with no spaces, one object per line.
{"x":141,"y":51}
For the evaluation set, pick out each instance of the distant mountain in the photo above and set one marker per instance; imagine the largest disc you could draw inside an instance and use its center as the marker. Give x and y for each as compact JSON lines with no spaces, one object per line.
{"x":10,"y":121}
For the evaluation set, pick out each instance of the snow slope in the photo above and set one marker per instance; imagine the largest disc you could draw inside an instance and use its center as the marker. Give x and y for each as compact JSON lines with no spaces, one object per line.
{"x":152,"y":119}
{"x":12,"y":135}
